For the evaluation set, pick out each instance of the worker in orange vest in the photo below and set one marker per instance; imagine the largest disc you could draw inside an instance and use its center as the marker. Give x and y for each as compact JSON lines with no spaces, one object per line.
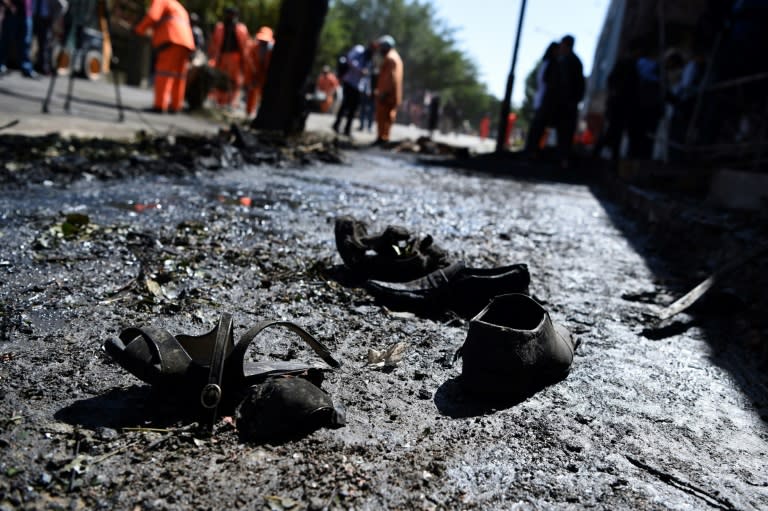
{"x":258,"y":57}
{"x":485,"y":126}
{"x":328,"y":84}
{"x":227,"y":53}
{"x":173,"y":41}
{"x":389,"y":88}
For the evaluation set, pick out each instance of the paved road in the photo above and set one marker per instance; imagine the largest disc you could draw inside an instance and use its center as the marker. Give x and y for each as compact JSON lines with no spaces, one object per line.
{"x":93,"y":112}
{"x":673,"y":423}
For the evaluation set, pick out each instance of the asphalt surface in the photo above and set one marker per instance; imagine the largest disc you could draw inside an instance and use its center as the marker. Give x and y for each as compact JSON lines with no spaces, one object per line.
{"x":678,"y":421}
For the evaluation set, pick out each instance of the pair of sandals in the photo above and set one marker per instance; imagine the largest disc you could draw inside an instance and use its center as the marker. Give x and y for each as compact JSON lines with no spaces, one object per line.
{"x":271,"y":398}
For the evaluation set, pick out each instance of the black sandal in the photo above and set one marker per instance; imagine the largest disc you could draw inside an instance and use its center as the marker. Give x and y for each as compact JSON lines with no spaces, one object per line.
{"x":209,"y":367}
{"x":395,"y":255}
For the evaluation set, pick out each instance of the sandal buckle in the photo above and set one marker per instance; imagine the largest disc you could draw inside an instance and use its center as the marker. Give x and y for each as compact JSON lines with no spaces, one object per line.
{"x":210,"y":396}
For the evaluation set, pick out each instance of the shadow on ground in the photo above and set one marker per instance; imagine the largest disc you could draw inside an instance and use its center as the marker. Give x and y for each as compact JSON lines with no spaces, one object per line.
{"x":681,"y":248}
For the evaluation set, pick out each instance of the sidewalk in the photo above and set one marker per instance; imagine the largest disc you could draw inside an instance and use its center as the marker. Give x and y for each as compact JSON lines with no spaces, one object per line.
{"x":93,"y":112}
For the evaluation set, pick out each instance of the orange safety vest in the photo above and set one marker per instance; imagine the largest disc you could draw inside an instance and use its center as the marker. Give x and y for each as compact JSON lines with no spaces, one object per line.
{"x":390,"y":82}
{"x":169,"y":22}
{"x":258,"y":56}
{"x":217,"y":39}
{"x":328,"y":83}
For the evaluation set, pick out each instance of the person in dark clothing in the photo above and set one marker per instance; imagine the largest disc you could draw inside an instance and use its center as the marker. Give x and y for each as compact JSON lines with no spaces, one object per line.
{"x":46,"y":12}
{"x":434,"y":114}
{"x":646,"y":106}
{"x":357,"y":65}
{"x":544,"y":102}
{"x":620,"y":91}
{"x":570,"y":92}
{"x":17,"y":30}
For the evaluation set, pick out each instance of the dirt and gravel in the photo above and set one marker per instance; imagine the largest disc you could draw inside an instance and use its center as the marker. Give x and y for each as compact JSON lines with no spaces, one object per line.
{"x":174,"y":232}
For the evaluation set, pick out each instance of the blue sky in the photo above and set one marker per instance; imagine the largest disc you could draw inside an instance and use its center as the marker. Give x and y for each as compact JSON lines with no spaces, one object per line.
{"x":486,"y":32}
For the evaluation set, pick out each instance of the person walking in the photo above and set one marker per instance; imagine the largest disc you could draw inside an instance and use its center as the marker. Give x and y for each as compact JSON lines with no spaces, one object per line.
{"x":227,"y":53}
{"x":173,"y":43}
{"x":357,"y":60}
{"x":544,"y":101}
{"x":17,"y":31}
{"x":571,"y":88}
{"x":389,"y":88}
{"x":258,"y":57}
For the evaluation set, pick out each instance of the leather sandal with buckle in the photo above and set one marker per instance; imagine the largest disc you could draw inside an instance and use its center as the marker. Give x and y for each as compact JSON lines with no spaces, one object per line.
{"x":209,"y":367}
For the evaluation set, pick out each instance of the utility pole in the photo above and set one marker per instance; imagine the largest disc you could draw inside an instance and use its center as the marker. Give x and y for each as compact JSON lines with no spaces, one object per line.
{"x":505,"y":105}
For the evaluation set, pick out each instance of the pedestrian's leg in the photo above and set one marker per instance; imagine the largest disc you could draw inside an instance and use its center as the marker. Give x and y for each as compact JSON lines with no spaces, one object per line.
{"x":26,"y":44}
{"x":566,"y":127}
{"x":9,"y":29}
{"x":534,"y":134}
{"x":179,"y":84}
{"x":381,"y":114}
{"x":163,"y":86}
{"x":165,"y":75}
{"x":354,"y":101}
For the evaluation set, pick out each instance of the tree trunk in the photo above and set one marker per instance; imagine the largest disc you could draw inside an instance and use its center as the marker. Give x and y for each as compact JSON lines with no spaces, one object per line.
{"x":283,"y":107}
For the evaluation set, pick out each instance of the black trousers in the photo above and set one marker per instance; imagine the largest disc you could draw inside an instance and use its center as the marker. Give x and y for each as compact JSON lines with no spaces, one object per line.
{"x":348,"y":108}
{"x":44,"y":35}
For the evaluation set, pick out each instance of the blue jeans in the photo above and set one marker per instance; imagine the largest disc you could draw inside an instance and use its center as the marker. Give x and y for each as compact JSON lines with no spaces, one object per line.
{"x":17,"y":30}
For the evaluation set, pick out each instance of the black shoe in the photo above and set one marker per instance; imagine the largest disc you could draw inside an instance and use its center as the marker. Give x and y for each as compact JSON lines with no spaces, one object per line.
{"x":395,"y":255}
{"x":465,"y":291}
{"x":335,"y":127}
{"x":153,"y":110}
{"x":30,"y":74}
{"x":514,"y":348}
{"x":378,"y":142}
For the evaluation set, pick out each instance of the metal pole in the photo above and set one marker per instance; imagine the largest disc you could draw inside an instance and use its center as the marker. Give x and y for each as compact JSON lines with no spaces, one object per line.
{"x":505,"y":105}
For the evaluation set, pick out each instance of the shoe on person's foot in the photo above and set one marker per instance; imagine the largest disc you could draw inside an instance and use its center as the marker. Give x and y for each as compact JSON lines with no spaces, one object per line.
{"x":153,"y":110}
{"x":513,"y":348}
{"x":378,"y":142}
{"x":465,"y":291}
{"x":30,"y":74}
{"x":395,"y":255}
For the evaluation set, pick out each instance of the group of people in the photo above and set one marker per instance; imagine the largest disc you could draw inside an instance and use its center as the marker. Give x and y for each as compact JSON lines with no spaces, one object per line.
{"x":371,"y":80}
{"x":560,"y":87}
{"x":245,"y":60}
{"x":23,"y":21}
{"x":231,"y":50}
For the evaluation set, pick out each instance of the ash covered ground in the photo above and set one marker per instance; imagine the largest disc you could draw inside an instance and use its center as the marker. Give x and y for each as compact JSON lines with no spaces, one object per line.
{"x":178,"y":235}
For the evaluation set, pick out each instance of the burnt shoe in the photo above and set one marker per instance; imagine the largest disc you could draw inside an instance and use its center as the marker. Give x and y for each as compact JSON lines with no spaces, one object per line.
{"x":395,"y":255}
{"x":456,"y":288}
{"x":286,"y":407}
{"x":514,"y":348}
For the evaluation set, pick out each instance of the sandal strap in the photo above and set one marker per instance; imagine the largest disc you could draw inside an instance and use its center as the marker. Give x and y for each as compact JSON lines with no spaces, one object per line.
{"x":238,"y":354}
{"x":173,"y":359}
{"x":210,"y":396}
